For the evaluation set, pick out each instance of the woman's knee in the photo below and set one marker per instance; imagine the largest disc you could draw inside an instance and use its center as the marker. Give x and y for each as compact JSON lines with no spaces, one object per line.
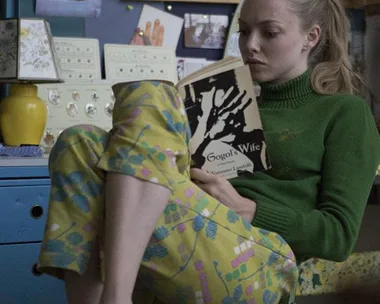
{"x":77,"y":142}
{"x":80,"y":132}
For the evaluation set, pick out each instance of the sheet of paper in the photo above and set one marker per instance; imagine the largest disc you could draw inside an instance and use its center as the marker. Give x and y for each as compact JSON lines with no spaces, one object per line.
{"x":159,"y":28}
{"x":79,"y":58}
{"x":186,"y":65}
{"x":133,"y":63}
{"x":71,"y":8}
{"x":232,"y":44}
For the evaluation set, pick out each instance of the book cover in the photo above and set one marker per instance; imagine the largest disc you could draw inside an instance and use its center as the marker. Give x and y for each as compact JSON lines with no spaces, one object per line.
{"x":227,"y":133}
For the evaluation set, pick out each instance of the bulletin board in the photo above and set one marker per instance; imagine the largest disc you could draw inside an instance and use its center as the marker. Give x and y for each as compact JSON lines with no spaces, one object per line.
{"x":117,"y":23}
{"x":119,"y":18}
{"x":61,"y":26}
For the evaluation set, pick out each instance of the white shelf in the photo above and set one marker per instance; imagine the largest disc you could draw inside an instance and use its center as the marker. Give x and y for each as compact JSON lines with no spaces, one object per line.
{"x":24,"y":161}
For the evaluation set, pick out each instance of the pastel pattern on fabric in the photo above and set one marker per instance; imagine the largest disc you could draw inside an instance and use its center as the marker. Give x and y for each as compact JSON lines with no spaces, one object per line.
{"x":200,"y":251}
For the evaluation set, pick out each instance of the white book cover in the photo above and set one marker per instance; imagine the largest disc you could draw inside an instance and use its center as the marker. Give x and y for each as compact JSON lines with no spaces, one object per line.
{"x":227,"y":134}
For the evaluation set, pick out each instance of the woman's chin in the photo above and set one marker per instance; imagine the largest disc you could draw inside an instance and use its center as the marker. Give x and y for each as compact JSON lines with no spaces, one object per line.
{"x":259,"y":77}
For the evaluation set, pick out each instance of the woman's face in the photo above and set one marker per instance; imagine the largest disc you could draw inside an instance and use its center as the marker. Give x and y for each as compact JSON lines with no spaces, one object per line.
{"x":272,"y":41}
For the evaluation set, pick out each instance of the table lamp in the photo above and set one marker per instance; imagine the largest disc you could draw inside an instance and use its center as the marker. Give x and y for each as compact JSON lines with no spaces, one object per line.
{"x":26,"y":58}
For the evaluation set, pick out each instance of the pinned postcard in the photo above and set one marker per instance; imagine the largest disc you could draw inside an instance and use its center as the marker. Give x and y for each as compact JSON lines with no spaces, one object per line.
{"x":157,"y":28}
{"x":69,"y":8}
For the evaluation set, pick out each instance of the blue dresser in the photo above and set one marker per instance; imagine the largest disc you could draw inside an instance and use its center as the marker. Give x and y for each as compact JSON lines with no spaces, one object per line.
{"x":24,"y":193}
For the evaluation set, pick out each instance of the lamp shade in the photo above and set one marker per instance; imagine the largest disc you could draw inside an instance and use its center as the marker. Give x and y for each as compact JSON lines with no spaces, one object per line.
{"x":27,"y":51}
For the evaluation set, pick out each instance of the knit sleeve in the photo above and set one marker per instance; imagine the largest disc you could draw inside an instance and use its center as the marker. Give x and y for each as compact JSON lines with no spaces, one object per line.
{"x":352,"y":154}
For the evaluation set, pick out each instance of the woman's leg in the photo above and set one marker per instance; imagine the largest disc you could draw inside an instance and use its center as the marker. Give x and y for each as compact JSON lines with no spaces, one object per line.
{"x":135,"y":200}
{"x":70,"y":249}
{"x":75,"y":224}
{"x":76,"y":214}
{"x":133,"y":207}
{"x":86,"y":288}
{"x":200,"y":251}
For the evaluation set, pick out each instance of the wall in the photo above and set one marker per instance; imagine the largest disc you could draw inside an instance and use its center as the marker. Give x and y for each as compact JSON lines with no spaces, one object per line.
{"x":116,"y":24}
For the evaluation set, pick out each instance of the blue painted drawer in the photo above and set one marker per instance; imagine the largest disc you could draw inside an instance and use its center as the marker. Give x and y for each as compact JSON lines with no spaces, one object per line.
{"x":19,"y":284}
{"x":23,"y":209}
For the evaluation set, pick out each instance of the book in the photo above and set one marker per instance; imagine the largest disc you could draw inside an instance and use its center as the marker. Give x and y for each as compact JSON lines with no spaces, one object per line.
{"x":227,"y":136}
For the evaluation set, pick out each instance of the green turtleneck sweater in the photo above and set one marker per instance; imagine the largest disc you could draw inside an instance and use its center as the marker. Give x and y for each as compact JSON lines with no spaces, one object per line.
{"x":324,"y":152}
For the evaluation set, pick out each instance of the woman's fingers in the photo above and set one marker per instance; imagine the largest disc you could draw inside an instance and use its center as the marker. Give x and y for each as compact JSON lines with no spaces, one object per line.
{"x":202,"y":176}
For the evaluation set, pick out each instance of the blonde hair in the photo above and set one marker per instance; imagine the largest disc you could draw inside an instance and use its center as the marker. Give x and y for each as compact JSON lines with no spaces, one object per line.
{"x":332,"y":72}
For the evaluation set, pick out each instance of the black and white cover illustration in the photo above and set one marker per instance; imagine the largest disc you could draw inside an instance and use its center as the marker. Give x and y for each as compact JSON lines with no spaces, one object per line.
{"x":227,"y":134}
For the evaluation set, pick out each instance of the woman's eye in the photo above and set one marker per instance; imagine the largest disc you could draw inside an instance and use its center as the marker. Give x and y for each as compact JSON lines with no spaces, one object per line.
{"x":271,"y":34}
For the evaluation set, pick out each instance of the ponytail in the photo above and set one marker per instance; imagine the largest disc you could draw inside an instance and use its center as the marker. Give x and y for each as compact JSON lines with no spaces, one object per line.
{"x":332,"y":72}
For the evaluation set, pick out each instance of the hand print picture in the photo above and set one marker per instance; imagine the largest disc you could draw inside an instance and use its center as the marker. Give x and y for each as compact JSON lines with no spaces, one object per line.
{"x":149,"y":36}
{"x":157,"y":28}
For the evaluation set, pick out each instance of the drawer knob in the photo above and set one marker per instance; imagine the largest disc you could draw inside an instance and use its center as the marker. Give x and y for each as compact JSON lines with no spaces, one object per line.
{"x":35,"y":271}
{"x":36,"y":211}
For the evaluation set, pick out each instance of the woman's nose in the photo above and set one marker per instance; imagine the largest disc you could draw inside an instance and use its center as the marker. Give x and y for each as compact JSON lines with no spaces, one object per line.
{"x":253,"y":43}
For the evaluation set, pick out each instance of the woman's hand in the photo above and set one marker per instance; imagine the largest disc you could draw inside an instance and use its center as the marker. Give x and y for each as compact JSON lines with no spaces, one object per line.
{"x":219,"y":188}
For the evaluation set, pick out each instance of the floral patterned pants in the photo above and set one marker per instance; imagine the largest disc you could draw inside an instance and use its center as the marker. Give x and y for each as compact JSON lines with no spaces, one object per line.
{"x":200,"y":251}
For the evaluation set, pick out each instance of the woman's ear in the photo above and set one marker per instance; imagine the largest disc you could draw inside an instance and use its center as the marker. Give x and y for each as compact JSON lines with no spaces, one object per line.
{"x":313,"y":36}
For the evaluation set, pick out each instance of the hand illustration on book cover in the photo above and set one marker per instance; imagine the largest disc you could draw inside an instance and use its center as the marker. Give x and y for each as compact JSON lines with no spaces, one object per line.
{"x":227,"y":135}
{"x":223,"y":120}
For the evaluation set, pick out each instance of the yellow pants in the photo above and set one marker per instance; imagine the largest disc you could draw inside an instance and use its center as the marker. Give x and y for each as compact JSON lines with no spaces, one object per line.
{"x":200,"y":251}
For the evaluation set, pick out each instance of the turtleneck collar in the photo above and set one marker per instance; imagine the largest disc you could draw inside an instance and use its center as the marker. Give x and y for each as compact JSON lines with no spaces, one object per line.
{"x":290,"y":94}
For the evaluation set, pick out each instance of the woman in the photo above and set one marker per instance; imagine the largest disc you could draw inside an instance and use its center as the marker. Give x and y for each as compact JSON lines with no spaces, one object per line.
{"x":324,"y":150}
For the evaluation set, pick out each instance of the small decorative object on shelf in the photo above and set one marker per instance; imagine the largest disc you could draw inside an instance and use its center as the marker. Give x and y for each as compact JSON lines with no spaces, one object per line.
{"x":26,"y":58}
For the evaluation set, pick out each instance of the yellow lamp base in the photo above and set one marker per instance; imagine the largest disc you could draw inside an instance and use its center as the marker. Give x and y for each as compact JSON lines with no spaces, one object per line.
{"x":22,"y":116}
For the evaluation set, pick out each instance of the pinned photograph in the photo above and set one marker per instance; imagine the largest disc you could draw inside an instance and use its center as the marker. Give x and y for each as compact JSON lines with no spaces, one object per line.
{"x":157,"y":28}
{"x":205,"y":31}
